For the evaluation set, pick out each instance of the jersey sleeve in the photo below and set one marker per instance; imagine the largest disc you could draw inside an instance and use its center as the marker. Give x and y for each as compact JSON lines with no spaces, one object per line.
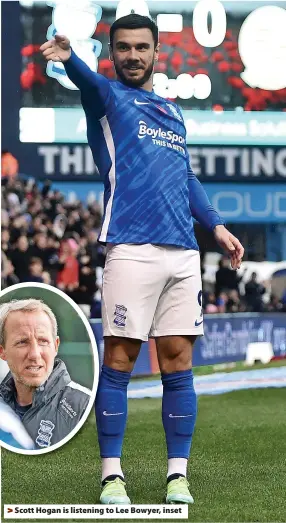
{"x":201,"y":208}
{"x":95,"y":89}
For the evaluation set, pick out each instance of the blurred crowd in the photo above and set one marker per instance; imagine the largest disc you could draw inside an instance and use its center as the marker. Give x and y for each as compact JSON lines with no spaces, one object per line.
{"x":48,"y":240}
{"x":231,"y":294}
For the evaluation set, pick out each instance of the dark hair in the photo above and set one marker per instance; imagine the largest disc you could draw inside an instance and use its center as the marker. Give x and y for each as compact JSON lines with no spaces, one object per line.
{"x":35,"y":260}
{"x":134,"y":21}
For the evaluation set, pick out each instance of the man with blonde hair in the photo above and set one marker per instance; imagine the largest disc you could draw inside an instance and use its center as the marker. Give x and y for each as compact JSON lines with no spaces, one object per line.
{"x":38,"y":387}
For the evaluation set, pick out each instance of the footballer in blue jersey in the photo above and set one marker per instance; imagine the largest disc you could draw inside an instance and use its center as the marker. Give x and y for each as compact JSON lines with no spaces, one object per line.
{"x":152,"y":281}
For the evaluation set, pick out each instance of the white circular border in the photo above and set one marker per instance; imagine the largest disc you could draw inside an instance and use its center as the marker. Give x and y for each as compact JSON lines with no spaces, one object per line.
{"x":95,"y":363}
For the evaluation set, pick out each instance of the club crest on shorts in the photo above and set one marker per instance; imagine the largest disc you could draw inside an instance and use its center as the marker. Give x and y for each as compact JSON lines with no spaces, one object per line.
{"x":120,"y":315}
{"x":45,"y":433}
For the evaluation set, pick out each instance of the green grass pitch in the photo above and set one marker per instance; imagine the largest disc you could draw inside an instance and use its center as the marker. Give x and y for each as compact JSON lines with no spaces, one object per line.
{"x":237,"y":470}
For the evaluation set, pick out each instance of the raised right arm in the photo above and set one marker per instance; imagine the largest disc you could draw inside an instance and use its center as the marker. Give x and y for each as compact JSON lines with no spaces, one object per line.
{"x":94,"y":87}
{"x":91,"y":84}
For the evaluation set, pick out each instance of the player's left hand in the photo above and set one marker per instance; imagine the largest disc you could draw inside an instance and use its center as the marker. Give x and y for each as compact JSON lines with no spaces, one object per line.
{"x":230,"y":244}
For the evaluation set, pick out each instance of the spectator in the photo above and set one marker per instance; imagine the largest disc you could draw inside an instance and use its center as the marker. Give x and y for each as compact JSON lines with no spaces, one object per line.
{"x":9,"y":164}
{"x":95,"y":250}
{"x":211,"y":307}
{"x":253,"y":294}
{"x":275,"y":305}
{"x":46,"y":188}
{"x":4,"y":215}
{"x":35,"y":270}
{"x":84,"y":293}
{"x":222,"y":302}
{"x":13,"y":204}
{"x":8,"y":276}
{"x":95,"y":311}
{"x":74,"y":223}
{"x":39,"y":249}
{"x":82,"y":245}
{"x":68,"y":276}
{"x":52,"y":250}
{"x":233,"y":302}
{"x":5,"y":240}
{"x":226,"y":278}
{"x":37,"y":226}
{"x":59,"y":225}
{"x":17,"y":228}
{"x":20,"y":258}
{"x":95,"y":212}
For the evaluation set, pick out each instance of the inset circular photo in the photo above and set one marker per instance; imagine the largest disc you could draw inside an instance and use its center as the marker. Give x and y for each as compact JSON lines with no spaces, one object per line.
{"x":48,"y":368}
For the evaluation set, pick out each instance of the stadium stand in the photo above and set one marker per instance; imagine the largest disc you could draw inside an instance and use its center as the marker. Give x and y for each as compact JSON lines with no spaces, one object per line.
{"x":45,"y":239}
{"x":48,"y":240}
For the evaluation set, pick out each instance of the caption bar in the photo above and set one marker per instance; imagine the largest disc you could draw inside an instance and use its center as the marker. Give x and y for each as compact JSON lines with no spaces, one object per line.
{"x":95,"y":512}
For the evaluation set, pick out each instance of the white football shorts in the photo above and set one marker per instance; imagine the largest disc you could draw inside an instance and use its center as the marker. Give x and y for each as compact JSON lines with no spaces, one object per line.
{"x":150,"y":291}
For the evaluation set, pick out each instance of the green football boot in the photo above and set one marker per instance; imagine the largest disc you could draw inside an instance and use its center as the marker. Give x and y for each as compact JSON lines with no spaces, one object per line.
{"x":178,"y":491}
{"x":114,"y":493}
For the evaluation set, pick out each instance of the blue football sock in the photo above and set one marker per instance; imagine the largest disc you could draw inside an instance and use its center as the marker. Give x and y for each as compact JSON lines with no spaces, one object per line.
{"x":111,"y":411}
{"x":179,"y":412}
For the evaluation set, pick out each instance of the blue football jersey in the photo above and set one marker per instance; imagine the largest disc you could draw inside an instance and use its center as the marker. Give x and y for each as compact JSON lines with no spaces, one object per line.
{"x":138,"y":142}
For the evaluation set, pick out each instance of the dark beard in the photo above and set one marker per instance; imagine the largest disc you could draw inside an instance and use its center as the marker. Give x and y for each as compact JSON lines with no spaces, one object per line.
{"x":135,"y":82}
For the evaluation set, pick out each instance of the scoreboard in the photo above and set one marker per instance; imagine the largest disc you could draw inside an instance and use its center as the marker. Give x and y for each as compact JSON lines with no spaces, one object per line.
{"x":222,"y":62}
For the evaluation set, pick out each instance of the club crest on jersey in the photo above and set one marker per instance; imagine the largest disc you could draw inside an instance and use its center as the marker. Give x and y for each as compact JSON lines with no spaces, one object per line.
{"x":45,"y":433}
{"x":175,"y":112}
{"x":120,"y":315}
{"x":161,"y":109}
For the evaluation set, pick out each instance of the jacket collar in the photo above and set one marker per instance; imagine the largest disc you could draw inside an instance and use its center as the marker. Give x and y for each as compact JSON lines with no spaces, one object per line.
{"x":58,"y":380}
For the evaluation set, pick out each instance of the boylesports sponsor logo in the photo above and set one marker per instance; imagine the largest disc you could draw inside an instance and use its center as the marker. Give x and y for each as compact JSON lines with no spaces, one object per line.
{"x":159,"y":134}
